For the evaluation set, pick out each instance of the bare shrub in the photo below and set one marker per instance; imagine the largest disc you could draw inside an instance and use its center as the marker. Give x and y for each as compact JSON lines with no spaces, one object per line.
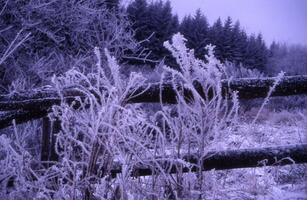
{"x":102,"y":131}
{"x":42,"y":38}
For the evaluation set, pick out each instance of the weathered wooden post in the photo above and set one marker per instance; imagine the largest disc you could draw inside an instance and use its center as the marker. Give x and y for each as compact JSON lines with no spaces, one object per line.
{"x":50,"y":130}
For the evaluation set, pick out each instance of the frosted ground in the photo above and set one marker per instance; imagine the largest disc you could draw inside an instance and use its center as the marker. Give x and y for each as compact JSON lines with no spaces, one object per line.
{"x":273,"y":128}
{"x":283,"y":121}
{"x":122,"y":131}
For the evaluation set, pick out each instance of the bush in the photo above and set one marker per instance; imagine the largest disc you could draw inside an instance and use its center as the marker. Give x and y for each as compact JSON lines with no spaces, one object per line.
{"x":105,"y":131}
{"x":42,"y":38}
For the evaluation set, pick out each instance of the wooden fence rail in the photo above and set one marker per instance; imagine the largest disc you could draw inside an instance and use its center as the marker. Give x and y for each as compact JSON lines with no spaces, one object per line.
{"x":33,"y":105}
{"x":26,"y":106}
{"x":229,"y":159}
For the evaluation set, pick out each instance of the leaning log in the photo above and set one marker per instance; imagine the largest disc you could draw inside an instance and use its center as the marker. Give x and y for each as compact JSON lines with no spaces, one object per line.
{"x":223,"y":160}
{"x":40,"y":101}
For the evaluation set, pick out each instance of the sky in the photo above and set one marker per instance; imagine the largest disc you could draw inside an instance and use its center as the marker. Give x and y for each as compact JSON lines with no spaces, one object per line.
{"x":277,"y":20}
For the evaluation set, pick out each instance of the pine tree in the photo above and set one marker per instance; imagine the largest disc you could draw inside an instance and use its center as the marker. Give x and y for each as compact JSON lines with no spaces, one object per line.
{"x":196,"y":31}
{"x":251,"y":51}
{"x":227,"y":41}
{"x":138,"y":15}
{"x":239,"y":42}
{"x":243,"y":38}
{"x":232,"y":43}
{"x":163,"y":24}
{"x":236,"y":43}
{"x":262,"y":53}
{"x":154,"y":23}
{"x":215,"y":35}
{"x":186,"y":26}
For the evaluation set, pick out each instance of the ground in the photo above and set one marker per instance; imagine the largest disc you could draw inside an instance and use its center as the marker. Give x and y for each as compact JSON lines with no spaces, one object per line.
{"x":266,"y":183}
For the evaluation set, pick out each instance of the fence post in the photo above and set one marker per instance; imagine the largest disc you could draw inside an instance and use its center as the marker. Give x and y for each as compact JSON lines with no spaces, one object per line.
{"x":49,"y":134}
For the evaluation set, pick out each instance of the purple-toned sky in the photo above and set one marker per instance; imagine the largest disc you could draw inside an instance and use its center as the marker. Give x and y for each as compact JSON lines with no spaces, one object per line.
{"x":280,"y":20}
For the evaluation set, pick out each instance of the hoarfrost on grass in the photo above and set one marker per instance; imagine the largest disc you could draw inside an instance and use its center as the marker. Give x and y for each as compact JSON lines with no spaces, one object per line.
{"x":105,"y":130}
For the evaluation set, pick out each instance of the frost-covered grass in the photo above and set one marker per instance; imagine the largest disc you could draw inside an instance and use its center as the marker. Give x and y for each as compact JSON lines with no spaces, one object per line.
{"x":273,"y":128}
{"x":105,"y":129}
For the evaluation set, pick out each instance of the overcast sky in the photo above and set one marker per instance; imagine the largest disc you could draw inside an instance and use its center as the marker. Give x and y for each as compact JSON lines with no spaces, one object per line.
{"x":280,"y":20}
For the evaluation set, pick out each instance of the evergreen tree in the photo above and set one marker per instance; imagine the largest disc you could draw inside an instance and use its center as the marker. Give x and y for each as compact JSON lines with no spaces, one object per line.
{"x":196,"y":31}
{"x":227,"y":41}
{"x":236,"y":54}
{"x":186,"y":26}
{"x":154,"y":23}
{"x":242,"y":45}
{"x":232,"y":43}
{"x":251,"y":51}
{"x":138,"y":15}
{"x":163,"y":24}
{"x":239,"y":42}
{"x":262,"y":53}
{"x":291,"y":59}
{"x":273,"y":48}
{"x":215,"y":35}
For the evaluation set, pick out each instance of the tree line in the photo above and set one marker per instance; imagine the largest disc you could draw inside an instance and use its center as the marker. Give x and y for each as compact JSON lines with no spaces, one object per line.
{"x":291,"y":59}
{"x":154,"y":23}
{"x":39,"y":39}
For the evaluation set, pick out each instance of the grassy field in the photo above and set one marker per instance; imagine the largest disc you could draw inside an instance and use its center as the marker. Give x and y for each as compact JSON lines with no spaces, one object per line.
{"x":267,"y":183}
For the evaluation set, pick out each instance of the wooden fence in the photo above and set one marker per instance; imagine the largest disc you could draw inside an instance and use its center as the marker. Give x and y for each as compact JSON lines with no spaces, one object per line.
{"x":30,"y":105}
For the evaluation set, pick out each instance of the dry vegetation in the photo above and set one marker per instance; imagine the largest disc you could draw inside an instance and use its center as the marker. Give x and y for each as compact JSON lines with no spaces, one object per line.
{"x":105,"y":130}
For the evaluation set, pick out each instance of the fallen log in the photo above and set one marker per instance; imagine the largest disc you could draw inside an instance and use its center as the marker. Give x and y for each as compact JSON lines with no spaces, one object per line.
{"x":40,"y":101}
{"x":224,"y":160}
